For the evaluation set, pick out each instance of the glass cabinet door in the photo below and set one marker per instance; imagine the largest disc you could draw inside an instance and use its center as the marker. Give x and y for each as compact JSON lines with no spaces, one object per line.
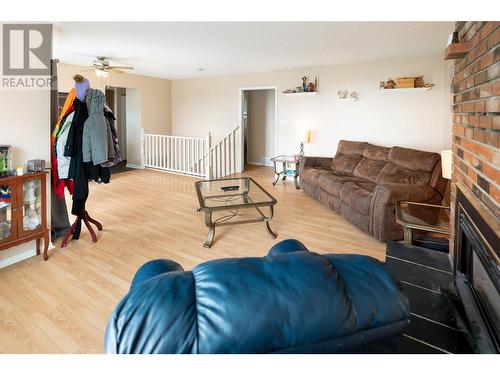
{"x":7,"y":221}
{"x":32,"y":204}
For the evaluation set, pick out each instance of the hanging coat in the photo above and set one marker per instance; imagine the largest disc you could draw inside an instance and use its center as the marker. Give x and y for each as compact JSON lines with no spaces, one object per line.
{"x":110,"y":118}
{"x":73,"y":150}
{"x":57,"y":183}
{"x":97,"y":144}
{"x":62,"y":136}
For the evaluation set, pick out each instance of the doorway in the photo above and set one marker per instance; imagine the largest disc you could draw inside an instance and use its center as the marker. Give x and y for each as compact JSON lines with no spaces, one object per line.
{"x":116,"y":98}
{"x":258,"y":119}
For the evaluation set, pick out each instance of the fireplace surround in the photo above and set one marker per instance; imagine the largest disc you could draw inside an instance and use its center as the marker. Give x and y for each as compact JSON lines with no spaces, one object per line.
{"x":477,"y":268}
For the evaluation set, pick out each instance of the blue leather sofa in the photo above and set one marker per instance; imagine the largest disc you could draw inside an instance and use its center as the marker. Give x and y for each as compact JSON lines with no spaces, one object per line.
{"x":291,"y":301}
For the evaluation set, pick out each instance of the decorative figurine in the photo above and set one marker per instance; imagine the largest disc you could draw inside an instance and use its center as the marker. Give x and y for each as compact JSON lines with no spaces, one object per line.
{"x":342,"y":94}
{"x":354,"y":95}
{"x":5,"y":159}
{"x":390,"y":84}
{"x":419,"y":81}
{"x":304,"y":83}
{"x":31,"y":220}
{"x":29,"y":192}
{"x":310,"y":87}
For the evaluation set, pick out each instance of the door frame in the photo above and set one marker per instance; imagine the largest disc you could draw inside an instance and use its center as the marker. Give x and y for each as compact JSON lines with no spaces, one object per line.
{"x":240,"y":121}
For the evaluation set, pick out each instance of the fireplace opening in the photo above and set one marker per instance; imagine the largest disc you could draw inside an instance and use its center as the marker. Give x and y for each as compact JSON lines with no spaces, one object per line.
{"x":477,"y":270}
{"x":486,"y":294}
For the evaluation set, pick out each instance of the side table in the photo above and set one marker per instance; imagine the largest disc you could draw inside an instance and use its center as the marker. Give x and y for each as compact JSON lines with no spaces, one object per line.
{"x":422,"y":216}
{"x":289,"y":167}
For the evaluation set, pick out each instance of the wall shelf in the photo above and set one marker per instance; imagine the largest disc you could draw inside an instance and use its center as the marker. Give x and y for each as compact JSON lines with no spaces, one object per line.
{"x":456,"y":50}
{"x":411,"y":89}
{"x":300,"y":93}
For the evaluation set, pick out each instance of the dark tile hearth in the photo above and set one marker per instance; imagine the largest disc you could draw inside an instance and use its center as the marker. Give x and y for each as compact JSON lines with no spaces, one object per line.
{"x":427,"y":281}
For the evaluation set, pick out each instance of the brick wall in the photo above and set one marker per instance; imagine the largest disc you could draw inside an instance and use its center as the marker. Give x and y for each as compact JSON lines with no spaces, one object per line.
{"x":476,"y":114}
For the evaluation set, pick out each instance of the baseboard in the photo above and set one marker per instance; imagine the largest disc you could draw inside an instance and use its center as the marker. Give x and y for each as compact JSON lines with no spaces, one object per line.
{"x":134,"y":166}
{"x":267,"y":164}
{"x":21,"y":255}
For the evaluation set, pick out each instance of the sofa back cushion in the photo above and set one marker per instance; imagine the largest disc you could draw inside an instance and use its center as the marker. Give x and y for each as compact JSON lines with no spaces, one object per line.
{"x":348,"y":155}
{"x":372,"y":162}
{"x":408,"y":166}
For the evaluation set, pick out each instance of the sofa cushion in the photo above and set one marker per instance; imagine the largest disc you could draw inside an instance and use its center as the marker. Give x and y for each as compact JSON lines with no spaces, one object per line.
{"x":414,"y":160}
{"x":351,"y":147}
{"x":358,"y":195}
{"x":311,"y":174}
{"x":345,"y":163}
{"x":376,"y":152}
{"x":392,"y":173}
{"x":407,"y":166}
{"x":373,"y":160}
{"x":332,"y":182}
{"x":369,"y":169}
{"x":348,"y":155}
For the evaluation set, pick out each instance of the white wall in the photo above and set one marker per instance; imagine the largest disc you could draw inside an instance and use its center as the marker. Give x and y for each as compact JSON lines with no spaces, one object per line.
{"x":121,"y":120}
{"x":133,"y":114}
{"x":261,"y":127}
{"x":418,"y":120}
{"x":25,"y":125}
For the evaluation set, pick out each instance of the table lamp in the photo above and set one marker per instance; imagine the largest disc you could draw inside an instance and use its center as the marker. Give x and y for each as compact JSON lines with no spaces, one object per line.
{"x":306,"y":140}
{"x":446,"y":157}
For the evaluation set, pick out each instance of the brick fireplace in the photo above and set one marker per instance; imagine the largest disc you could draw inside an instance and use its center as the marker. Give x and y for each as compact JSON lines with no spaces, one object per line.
{"x":476,"y":113}
{"x":475,"y":188}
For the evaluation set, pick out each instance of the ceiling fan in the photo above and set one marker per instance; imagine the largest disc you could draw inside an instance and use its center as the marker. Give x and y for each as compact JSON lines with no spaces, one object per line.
{"x":102,"y":67}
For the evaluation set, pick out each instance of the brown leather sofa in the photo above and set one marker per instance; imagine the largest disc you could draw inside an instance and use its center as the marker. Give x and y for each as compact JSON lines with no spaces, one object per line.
{"x":363,"y":182}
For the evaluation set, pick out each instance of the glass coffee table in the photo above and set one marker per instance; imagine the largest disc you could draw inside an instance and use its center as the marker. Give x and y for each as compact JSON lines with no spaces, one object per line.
{"x":422,"y":216}
{"x":231,"y":198}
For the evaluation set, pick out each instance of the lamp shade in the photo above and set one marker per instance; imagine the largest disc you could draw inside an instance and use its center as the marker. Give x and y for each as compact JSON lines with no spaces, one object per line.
{"x":446,"y":157}
{"x":308,"y":136}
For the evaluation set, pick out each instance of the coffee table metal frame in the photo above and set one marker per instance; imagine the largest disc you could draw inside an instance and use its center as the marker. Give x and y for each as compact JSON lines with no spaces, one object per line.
{"x":248,"y":203}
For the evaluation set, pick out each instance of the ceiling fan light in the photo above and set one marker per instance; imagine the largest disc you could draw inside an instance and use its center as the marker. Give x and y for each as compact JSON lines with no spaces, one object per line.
{"x":101,"y":73}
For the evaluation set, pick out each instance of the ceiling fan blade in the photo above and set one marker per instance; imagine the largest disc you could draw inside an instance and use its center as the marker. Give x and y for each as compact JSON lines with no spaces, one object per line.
{"x":116,"y":71}
{"x":120,"y":67}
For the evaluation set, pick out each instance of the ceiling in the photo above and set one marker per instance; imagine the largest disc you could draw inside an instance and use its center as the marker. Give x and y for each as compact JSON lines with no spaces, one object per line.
{"x":178,"y":50}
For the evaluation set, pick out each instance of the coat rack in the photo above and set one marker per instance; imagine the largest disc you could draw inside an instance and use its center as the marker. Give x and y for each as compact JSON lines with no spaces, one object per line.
{"x":83,"y":216}
{"x":76,"y":227}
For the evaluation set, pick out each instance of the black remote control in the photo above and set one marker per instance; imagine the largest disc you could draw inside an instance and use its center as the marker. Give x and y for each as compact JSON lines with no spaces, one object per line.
{"x":230,"y":188}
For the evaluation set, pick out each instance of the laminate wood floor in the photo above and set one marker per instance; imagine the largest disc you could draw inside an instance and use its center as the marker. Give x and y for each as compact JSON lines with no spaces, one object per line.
{"x":62,"y":305}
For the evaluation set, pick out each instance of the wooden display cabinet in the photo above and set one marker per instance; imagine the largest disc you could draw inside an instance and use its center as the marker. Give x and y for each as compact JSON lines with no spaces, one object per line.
{"x":23,"y":211}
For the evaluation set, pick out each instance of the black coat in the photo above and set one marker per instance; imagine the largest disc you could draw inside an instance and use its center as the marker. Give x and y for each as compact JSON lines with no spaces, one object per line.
{"x":79,"y":171}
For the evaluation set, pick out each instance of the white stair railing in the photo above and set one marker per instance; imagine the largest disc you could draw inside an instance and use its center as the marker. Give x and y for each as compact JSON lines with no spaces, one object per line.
{"x":222,"y":157}
{"x":175,"y":154}
{"x":190,"y":156}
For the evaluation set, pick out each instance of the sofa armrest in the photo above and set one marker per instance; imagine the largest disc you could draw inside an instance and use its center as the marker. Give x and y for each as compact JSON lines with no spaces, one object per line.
{"x":406,"y":192}
{"x":382,"y":209}
{"x":315,"y":161}
{"x":154,"y":268}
